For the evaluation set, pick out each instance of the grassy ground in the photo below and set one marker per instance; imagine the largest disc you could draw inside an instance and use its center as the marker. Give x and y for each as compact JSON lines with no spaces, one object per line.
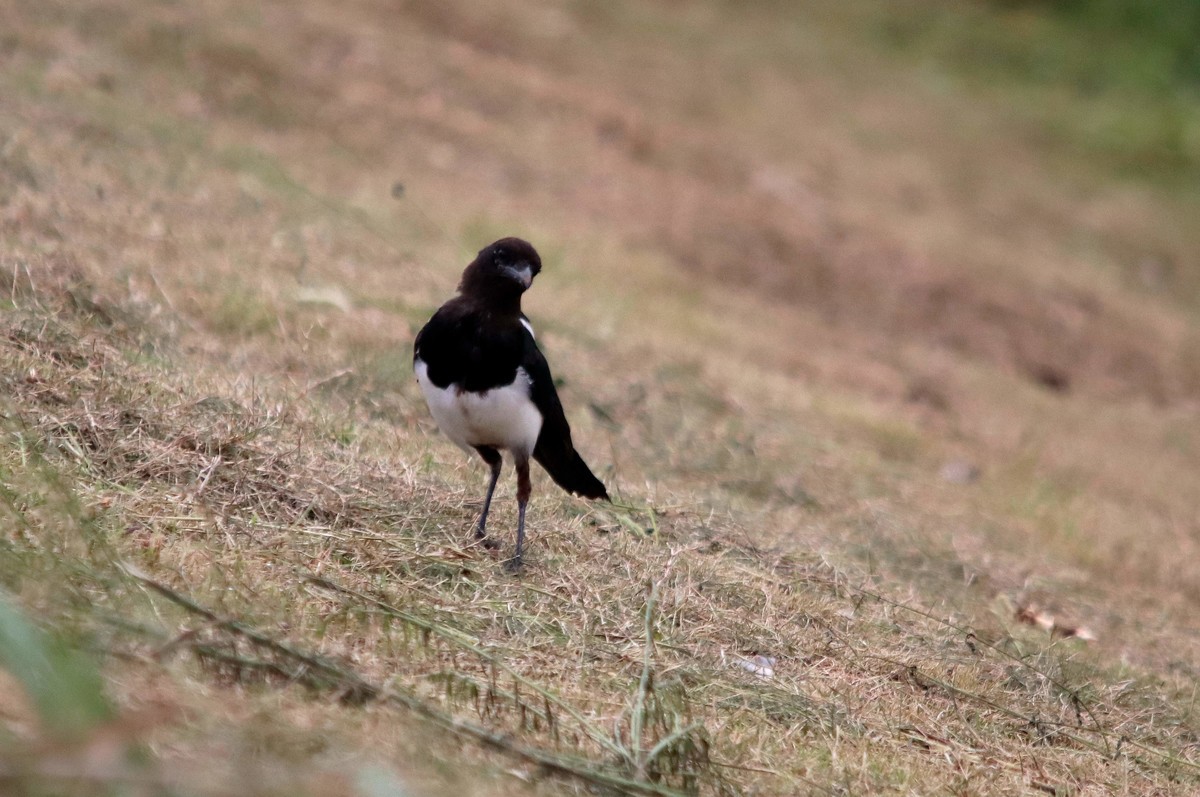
{"x":885,"y":369}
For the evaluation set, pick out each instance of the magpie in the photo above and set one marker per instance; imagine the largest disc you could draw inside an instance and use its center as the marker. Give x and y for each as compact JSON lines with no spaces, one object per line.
{"x":489,"y":387}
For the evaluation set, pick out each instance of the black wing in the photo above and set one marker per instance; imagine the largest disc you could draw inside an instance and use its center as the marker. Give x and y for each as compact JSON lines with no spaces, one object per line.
{"x":463,"y":345}
{"x":554,"y":450}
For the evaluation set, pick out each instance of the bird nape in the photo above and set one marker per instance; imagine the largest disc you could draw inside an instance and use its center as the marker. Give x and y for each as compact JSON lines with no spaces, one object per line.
{"x":488,"y":386}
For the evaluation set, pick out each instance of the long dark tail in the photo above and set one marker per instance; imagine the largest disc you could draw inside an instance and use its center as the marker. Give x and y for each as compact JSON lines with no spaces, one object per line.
{"x":569,"y":471}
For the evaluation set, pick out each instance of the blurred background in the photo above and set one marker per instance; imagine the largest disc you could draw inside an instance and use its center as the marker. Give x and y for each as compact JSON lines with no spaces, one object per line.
{"x":901,"y":294}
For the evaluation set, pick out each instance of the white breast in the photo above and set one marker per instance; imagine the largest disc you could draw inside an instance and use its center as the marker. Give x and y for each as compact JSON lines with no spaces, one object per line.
{"x":504,"y":417}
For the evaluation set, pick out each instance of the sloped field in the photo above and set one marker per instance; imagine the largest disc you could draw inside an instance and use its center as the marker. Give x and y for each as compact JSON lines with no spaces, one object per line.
{"x":898,"y":404}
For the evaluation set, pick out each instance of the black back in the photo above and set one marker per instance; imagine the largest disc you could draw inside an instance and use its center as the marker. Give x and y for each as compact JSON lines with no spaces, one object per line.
{"x":465,"y":345}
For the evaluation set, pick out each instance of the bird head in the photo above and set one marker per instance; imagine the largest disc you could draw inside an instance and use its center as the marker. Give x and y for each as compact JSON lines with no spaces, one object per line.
{"x":502,"y":270}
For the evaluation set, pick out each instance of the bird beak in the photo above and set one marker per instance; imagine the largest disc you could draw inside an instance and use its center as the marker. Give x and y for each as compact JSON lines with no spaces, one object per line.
{"x":522,"y":273}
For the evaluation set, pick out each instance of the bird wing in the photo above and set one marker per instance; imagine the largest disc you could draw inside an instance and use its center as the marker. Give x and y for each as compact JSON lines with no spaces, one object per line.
{"x":554,"y":450}
{"x":462,"y":345}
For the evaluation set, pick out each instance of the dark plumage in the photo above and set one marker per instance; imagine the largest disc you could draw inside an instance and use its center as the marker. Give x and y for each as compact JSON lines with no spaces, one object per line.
{"x":488,"y":386}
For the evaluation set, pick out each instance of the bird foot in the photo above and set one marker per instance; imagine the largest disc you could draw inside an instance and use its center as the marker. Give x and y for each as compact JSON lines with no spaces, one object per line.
{"x":513,"y":566}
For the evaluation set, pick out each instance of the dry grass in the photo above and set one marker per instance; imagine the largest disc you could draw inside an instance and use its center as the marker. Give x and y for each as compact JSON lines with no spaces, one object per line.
{"x":220,"y":478}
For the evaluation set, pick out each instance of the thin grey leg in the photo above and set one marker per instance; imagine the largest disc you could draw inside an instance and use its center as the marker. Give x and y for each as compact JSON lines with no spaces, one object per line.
{"x":524,"y":488}
{"x":492,"y":457}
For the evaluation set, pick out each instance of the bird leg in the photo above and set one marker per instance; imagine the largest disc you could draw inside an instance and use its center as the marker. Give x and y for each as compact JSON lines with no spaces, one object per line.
{"x":524,"y":488}
{"x":492,"y":457}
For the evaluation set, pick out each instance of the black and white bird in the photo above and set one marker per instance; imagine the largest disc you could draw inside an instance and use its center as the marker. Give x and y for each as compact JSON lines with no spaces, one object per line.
{"x":489,"y":387}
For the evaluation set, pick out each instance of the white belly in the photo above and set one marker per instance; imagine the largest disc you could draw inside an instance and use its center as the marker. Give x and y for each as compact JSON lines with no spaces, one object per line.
{"x":503,"y":417}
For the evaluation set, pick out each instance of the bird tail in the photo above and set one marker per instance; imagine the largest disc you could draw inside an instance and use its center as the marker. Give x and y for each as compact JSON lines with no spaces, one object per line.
{"x":570,"y":472}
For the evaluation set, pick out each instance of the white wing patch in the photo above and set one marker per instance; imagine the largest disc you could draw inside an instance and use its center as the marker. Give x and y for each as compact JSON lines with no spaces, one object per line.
{"x":504,"y":417}
{"x":525,"y":323}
